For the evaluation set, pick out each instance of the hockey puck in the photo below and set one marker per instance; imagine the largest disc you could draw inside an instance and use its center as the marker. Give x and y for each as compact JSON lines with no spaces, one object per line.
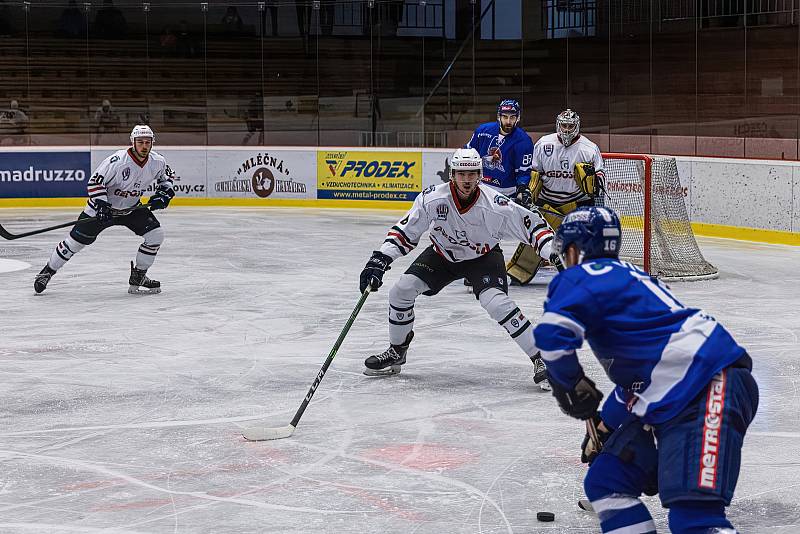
{"x":545,"y":516}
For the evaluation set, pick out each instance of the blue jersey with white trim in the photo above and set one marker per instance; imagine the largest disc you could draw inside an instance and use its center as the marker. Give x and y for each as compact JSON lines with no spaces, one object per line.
{"x":507,"y":160}
{"x":659,"y":353}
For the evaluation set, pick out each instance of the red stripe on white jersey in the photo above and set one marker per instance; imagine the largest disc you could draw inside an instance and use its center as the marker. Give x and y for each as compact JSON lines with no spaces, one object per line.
{"x":402,"y":239}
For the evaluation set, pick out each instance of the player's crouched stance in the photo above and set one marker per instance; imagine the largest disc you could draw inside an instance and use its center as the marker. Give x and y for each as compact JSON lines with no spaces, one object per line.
{"x":466,"y":220}
{"x":684,"y":396}
{"x":114,"y":193}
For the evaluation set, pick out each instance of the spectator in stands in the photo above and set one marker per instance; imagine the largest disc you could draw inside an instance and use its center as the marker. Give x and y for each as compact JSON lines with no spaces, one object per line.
{"x":72,"y":22}
{"x":185,"y":44}
{"x":232,"y":21}
{"x":168,"y":41}
{"x":254,"y":118}
{"x":106,"y":120}
{"x":110,"y":23}
{"x":13,"y":125}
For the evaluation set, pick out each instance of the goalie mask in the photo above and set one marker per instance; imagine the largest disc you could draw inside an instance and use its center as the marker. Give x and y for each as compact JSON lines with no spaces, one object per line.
{"x":594,"y":230}
{"x":466,"y":170}
{"x":509,"y":113}
{"x":568,"y":126}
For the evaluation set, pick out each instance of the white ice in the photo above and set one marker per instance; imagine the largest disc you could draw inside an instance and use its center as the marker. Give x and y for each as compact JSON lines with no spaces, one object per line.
{"x":123,"y":413}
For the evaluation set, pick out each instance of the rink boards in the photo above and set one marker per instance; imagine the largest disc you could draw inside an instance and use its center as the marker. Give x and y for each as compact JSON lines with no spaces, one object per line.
{"x":756,"y":200}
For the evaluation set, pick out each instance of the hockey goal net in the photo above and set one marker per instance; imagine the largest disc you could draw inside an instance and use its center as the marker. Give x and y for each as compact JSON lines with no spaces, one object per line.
{"x":647,"y":194}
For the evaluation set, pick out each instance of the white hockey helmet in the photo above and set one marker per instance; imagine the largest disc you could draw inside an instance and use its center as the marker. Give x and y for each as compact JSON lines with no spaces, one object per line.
{"x":142,"y":130}
{"x":465,"y":159}
{"x":568,"y":126}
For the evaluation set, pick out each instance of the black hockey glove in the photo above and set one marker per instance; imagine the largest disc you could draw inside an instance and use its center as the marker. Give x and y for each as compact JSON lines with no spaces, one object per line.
{"x":103,"y":210}
{"x":523,"y":196}
{"x":581,"y":401}
{"x":372,"y":274}
{"x":160,"y":200}
{"x":588,"y":450}
{"x":555,"y":261}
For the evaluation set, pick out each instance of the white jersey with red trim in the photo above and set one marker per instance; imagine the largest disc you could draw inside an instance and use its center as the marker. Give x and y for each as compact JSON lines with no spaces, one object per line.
{"x":556,"y":166}
{"x":121,"y":179}
{"x":461,"y":233}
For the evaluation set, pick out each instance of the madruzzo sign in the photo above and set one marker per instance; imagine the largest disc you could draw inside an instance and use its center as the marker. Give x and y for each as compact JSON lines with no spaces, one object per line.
{"x":43,"y":174}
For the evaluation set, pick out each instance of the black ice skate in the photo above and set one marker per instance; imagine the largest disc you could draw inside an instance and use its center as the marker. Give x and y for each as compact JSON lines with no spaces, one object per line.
{"x":540,"y":372}
{"x":389,"y":361}
{"x":41,"y":280}
{"x":140,"y":284}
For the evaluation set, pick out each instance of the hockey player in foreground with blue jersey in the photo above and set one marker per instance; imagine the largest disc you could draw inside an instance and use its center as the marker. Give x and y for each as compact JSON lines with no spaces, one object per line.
{"x":684,"y":396}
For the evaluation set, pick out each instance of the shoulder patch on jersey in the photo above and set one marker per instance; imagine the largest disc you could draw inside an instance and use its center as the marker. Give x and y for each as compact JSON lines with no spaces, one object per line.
{"x":114,"y":159}
{"x":501,"y":200}
{"x":596,"y":269}
{"x":548,"y":149}
{"x":428,"y":189}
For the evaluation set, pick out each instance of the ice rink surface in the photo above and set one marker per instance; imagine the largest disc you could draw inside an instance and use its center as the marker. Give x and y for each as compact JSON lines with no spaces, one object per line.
{"x":122,"y":413}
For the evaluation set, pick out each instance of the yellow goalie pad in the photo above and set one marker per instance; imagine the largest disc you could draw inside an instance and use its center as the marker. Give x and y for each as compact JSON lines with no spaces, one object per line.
{"x":535,"y":185}
{"x":586,"y":178}
{"x":525,"y":262}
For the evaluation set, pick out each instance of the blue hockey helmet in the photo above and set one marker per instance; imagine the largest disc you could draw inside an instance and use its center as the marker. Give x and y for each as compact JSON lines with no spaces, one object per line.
{"x":595,"y":230}
{"x":509,"y":107}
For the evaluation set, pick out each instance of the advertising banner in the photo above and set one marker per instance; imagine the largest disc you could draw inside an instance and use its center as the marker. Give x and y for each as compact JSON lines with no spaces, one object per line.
{"x":436,"y":166}
{"x":189,"y":167}
{"x":368,"y":175}
{"x":43,"y":174}
{"x":249,"y":173}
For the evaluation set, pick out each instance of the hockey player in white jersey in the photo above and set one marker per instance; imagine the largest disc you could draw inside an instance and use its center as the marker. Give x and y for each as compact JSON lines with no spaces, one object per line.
{"x":467,"y":220}
{"x":115,"y":190}
{"x":568,"y":172}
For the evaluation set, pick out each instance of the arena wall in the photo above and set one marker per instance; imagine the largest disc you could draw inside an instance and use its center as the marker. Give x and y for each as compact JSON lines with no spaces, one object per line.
{"x":757,"y":200}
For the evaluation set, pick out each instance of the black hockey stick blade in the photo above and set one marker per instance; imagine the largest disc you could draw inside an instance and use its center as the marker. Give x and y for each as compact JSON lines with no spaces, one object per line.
{"x":8,"y":235}
{"x":584,"y":504}
{"x":263,"y":433}
{"x":5,"y":234}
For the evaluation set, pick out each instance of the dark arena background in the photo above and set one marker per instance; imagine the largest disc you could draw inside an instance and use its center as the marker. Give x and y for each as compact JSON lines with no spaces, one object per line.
{"x":709,"y":78}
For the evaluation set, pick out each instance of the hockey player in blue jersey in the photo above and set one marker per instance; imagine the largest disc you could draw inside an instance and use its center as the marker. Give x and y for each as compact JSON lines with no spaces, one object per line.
{"x":507,"y":153}
{"x":684,"y":396}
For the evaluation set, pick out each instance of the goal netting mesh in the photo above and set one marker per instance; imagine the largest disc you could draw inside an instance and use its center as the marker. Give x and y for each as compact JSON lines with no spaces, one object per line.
{"x":647,"y":194}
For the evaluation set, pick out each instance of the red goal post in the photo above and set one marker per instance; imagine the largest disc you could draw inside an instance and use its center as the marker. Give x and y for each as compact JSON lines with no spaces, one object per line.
{"x":646,"y":192}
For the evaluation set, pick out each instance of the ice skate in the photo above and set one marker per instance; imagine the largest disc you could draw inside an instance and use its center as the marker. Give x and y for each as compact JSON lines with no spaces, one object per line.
{"x":540,"y":372}
{"x":42,"y":279}
{"x":389,"y":361}
{"x":140,"y":284}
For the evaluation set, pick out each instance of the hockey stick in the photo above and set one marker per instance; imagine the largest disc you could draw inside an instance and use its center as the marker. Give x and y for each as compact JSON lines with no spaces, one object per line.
{"x":591,"y":429}
{"x":8,"y":235}
{"x":268,"y":433}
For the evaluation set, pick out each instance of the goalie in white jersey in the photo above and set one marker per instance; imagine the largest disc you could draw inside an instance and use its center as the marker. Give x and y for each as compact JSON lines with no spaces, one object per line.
{"x":467,"y":220}
{"x":568,"y":173}
{"x":115,"y":190}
